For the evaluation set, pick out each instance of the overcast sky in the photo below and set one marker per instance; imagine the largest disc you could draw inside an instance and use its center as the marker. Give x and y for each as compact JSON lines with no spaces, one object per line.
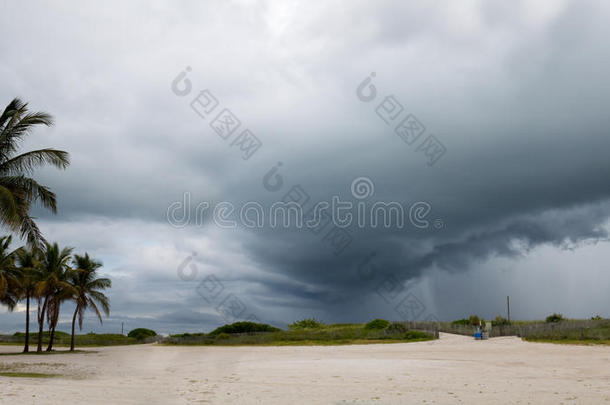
{"x":516,"y":92}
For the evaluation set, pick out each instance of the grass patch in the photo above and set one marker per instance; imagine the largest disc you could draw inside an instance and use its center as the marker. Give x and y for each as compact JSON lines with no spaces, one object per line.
{"x":40,"y":370}
{"x":307,"y":323}
{"x":27,"y":375}
{"x":45,"y":353}
{"x":62,"y":339}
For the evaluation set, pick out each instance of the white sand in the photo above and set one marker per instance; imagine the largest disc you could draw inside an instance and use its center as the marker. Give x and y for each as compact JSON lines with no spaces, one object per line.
{"x":452,"y":370}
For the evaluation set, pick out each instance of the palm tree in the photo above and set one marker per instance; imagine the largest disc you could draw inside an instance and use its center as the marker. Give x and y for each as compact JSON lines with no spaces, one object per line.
{"x":17,"y":190}
{"x":53,"y":288}
{"x":29,"y":274}
{"x":88,"y":290}
{"x":8,"y":273}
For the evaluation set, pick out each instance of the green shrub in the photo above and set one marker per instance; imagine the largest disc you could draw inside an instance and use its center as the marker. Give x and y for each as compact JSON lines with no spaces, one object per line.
{"x":186,"y":335}
{"x":596,"y":318}
{"x":141,"y":333}
{"x":462,"y":322}
{"x":377,"y":324}
{"x":396,"y":327}
{"x":415,"y":334}
{"x":222,"y":336}
{"x":308,"y":323}
{"x":500,"y":321}
{"x":473,"y":320}
{"x":554,"y":318}
{"x":243,"y":327}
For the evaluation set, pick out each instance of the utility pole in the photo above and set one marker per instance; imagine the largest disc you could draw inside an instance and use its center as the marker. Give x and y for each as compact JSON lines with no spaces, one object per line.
{"x":123,"y":333}
{"x":508,"y":306}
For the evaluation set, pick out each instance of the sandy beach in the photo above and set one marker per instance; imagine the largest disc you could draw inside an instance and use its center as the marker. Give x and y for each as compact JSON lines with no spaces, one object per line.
{"x":452,"y":370}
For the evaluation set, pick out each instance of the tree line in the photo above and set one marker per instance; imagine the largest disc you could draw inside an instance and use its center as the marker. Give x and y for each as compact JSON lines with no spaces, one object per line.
{"x":39,"y":271}
{"x":51,"y":276}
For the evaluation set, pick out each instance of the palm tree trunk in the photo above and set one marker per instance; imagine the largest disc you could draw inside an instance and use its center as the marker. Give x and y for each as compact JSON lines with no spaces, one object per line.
{"x":26,"y":348}
{"x":52,"y":329}
{"x":41,"y":323}
{"x":73,"y":322}
{"x":51,"y":336}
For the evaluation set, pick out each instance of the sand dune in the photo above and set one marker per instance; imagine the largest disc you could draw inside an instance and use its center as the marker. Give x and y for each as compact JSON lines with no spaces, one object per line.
{"x":452,"y":370}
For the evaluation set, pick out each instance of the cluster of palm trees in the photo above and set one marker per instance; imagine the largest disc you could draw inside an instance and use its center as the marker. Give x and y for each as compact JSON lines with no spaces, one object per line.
{"x":39,"y":271}
{"x":51,"y":276}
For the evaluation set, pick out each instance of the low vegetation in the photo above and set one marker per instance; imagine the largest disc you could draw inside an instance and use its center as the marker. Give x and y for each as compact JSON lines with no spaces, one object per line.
{"x":243,"y":327}
{"x":377,"y":324}
{"x":308,"y":323}
{"x":304,"y":332}
{"x":473,"y":320}
{"x":36,"y":370}
{"x":396,"y":328}
{"x":554,"y":318}
{"x":27,"y":375}
{"x":500,"y":321}
{"x":63,"y":339}
{"x":141,"y":334}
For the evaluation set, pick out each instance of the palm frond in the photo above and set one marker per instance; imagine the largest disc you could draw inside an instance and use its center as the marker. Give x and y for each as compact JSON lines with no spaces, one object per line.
{"x":28,"y":191}
{"x":19,"y":126}
{"x":30,"y":232}
{"x":89,"y":286}
{"x":99,"y":284}
{"x":15,"y":105}
{"x":15,"y":123}
{"x":101,"y":299}
{"x":9,"y":301}
{"x":97,"y":311}
{"x":28,"y":161}
{"x":8,"y":208}
{"x":11,"y":116}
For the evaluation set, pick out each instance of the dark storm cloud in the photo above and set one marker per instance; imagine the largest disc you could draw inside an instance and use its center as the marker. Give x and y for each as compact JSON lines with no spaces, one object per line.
{"x":517,"y":94}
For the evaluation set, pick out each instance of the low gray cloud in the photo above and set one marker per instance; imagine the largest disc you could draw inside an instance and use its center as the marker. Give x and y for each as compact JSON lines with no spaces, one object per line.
{"x":517,"y":95}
